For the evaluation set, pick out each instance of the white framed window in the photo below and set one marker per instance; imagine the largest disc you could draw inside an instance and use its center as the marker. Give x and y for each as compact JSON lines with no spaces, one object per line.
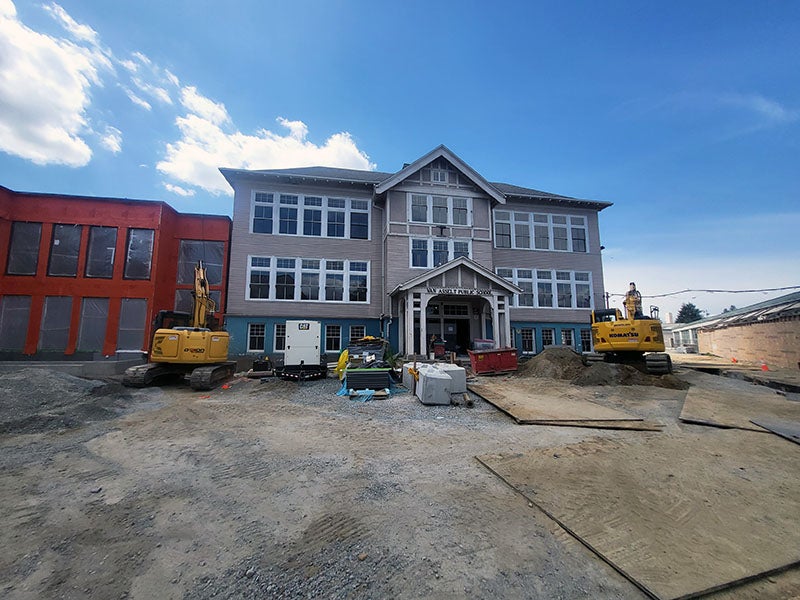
{"x":432,"y":252}
{"x":333,"y":338}
{"x":539,"y":231}
{"x":357,"y":332}
{"x":436,"y":209}
{"x":567,"y":337}
{"x":309,"y":216}
{"x":586,"y":340}
{"x":261,"y":209}
{"x":307,"y":279}
{"x":439,"y":176}
{"x":543,"y":288}
{"x":280,"y":337}
{"x":548,"y":336}
{"x":528,"y":340}
{"x":256,"y":332}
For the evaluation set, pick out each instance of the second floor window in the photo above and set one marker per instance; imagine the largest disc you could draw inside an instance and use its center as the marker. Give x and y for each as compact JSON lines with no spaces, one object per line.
{"x":100,"y":256}
{"x":562,"y":233}
{"x":310,"y":216}
{"x":139,"y":254}
{"x":23,"y":252}
{"x":64,"y":249}
{"x":440,"y":209}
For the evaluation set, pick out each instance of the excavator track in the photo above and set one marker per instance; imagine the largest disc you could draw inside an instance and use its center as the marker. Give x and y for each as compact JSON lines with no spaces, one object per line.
{"x":658,"y":363}
{"x":144,"y":375}
{"x":206,"y":378}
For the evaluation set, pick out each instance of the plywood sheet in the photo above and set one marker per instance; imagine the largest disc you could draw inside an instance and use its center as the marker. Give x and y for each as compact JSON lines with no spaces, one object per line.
{"x":677,"y":515}
{"x":627,"y":425}
{"x":723,"y":402}
{"x":526,"y":408}
{"x":786,"y":429}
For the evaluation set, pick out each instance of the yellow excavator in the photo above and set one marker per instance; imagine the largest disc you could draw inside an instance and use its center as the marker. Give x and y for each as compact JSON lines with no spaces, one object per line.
{"x":186,"y":344}
{"x":633,"y":339}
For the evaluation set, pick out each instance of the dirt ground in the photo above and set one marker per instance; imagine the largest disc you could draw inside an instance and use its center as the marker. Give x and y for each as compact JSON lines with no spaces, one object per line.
{"x":284,"y":490}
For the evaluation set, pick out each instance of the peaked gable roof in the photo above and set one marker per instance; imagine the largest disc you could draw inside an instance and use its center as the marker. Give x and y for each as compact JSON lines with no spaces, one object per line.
{"x":453,"y":264}
{"x":441,"y":151}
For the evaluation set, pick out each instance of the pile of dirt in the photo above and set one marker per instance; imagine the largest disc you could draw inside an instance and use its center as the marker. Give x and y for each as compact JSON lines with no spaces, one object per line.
{"x":616,"y":374}
{"x":553,"y":363}
{"x":35,"y":400}
{"x":566,"y":364}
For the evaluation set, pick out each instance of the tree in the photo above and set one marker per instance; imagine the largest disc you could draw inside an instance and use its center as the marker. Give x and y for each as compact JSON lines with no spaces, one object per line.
{"x":733,"y":307}
{"x":688,"y":313}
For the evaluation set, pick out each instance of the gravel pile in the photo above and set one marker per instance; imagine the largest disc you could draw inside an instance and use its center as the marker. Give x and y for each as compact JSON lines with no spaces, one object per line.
{"x":35,"y":400}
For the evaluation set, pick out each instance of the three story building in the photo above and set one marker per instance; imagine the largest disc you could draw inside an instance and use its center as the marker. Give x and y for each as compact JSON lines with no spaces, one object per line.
{"x":431,"y":251}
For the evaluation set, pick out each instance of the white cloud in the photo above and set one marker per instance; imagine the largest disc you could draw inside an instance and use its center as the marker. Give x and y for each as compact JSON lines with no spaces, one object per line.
{"x":173,"y":79}
{"x":180,"y":191}
{"x":78,"y":30}
{"x":159,"y":93}
{"x":209,"y":141}
{"x":769,"y":111}
{"x":44,"y":90}
{"x":46,"y":111}
{"x":111,"y":139}
{"x":203,"y":107}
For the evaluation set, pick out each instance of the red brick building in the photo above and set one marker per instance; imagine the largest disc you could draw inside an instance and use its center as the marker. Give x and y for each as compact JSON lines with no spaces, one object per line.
{"x":83,"y":276}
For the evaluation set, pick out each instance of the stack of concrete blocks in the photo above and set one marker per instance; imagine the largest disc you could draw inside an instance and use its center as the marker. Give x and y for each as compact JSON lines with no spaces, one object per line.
{"x":436,"y":382}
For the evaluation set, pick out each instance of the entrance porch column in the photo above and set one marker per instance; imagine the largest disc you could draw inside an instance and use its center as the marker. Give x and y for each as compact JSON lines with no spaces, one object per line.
{"x":496,"y":331}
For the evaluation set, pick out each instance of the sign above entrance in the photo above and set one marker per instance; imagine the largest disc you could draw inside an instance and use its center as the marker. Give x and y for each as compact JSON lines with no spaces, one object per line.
{"x":460,"y":291}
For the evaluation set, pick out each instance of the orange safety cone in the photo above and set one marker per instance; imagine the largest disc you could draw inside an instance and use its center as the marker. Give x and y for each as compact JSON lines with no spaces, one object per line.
{"x":733,"y":360}
{"x":764,"y":366}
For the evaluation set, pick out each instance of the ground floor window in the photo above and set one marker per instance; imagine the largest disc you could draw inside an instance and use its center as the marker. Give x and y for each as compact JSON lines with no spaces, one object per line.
{"x":357,"y":332}
{"x":14,"y":314}
{"x":567,"y":337}
{"x":280,"y":337}
{"x":548,"y":337}
{"x":92,"y":333}
{"x":54,"y":333}
{"x":132,"y":323}
{"x":528,"y":344}
{"x":586,"y":340}
{"x":333,"y":338}
{"x":255,"y":337}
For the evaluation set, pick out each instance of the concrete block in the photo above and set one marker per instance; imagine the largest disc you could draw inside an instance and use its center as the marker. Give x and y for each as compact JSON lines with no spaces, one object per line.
{"x":435,"y":388}
{"x":457,"y":374}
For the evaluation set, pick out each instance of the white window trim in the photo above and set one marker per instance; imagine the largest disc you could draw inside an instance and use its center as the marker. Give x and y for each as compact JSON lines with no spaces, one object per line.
{"x":350,"y":331}
{"x":532,"y":231}
{"x":533,"y":339}
{"x":325,"y":342}
{"x":298,"y":270}
{"x":255,"y":350}
{"x":515,"y":279}
{"x":275,"y":337}
{"x":253,"y":205}
{"x":301,"y":206}
{"x":429,"y":241}
{"x":429,"y":200}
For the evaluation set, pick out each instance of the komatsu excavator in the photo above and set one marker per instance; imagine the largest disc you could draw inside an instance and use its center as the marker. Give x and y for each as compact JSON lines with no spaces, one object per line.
{"x":185,"y":345}
{"x":636,"y":340}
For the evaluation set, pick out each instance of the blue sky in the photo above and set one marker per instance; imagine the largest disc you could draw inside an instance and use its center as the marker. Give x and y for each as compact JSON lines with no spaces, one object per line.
{"x":685,"y":115}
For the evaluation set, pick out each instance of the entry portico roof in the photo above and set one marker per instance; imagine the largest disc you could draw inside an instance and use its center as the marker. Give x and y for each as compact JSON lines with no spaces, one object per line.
{"x":454,"y":264}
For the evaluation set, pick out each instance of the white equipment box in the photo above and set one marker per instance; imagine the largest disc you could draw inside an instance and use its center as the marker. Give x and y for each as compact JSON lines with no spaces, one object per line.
{"x":302,"y":343}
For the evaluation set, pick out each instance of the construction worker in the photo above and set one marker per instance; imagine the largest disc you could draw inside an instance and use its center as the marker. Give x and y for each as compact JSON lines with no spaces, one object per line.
{"x":633,"y":302}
